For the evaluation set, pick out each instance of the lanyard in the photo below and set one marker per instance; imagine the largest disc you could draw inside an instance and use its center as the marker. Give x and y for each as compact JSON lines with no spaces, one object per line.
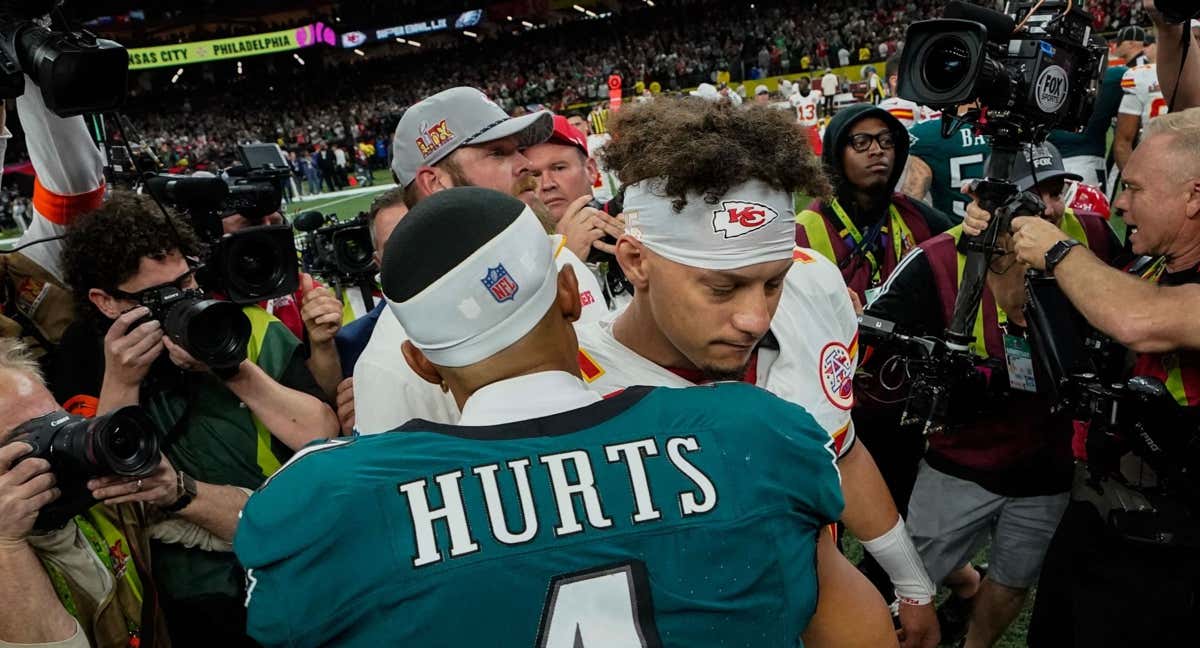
{"x":902,"y":237}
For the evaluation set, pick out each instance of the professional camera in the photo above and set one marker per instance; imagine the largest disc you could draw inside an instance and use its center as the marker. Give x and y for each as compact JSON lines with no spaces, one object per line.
{"x":338,"y":251}
{"x":1030,"y":78}
{"x":76,"y":71}
{"x":124,"y":442}
{"x":946,"y":389}
{"x":249,"y":266}
{"x":213,"y":332}
{"x":1178,"y":11}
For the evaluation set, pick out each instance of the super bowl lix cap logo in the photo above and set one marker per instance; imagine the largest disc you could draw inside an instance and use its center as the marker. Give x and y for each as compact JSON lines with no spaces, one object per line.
{"x":738,"y":218}
{"x":500,"y":284}
{"x":432,"y":138}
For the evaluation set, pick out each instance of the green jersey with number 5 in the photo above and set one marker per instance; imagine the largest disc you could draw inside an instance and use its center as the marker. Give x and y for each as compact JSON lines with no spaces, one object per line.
{"x":657,"y":517}
{"x":954,"y":161}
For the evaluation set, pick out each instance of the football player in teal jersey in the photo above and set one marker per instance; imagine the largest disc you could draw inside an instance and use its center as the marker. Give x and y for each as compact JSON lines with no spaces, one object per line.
{"x":938,"y":167}
{"x":549,"y":516}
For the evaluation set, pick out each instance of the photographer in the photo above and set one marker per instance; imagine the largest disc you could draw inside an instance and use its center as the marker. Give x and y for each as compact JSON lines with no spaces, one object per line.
{"x":35,"y":303}
{"x":235,"y":428}
{"x":1100,"y":587}
{"x":1005,"y":472}
{"x":109,"y":605}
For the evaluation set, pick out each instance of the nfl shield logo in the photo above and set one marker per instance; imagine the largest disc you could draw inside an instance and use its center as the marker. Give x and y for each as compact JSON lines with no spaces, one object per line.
{"x":501,"y":284}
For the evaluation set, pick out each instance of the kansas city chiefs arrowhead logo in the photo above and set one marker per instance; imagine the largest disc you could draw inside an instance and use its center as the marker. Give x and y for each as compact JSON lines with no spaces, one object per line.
{"x":738,"y":218}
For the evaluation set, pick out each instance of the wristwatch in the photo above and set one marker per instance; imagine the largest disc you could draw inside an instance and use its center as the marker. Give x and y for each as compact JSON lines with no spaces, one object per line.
{"x":1057,"y":253}
{"x":187,"y":492}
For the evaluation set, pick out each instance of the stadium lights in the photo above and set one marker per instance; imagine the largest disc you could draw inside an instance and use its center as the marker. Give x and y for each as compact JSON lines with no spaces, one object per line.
{"x":470,"y":34}
{"x":178,"y":73}
{"x":510,"y":19}
{"x":528,"y":25}
{"x":239,"y":67}
{"x":359,"y":52}
{"x":580,"y":9}
{"x":591,"y":14}
{"x":298,"y":59}
{"x":650,"y":2}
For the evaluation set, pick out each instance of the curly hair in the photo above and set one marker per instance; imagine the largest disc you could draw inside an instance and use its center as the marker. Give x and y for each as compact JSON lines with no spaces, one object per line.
{"x":706,"y":147}
{"x":104,"y":248}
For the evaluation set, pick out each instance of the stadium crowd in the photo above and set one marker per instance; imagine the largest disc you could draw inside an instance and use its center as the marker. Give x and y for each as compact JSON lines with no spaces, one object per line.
{"x":601,"y":416}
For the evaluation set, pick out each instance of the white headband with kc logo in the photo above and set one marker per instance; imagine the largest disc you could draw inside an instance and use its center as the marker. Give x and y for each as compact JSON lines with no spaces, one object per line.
{"x":751,"y":223}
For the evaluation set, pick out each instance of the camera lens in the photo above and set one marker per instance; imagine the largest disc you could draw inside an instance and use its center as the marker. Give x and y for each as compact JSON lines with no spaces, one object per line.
{"x":355,"y":254}
{"x":256,"y":267}
{"x":947,"y":64}
{"x":124,"y":442}
{"x":215,"y":333}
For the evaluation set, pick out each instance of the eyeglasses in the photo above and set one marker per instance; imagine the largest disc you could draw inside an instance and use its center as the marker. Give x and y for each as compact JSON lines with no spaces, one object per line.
{"x":861,"y":142}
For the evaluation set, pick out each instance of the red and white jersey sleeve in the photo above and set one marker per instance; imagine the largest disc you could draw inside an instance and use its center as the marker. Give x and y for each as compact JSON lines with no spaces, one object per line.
{"x":817,"y":332}
{"x":806,"y":107}
{"x":908,"y":112}
{"x":69,"y":175}
{"x":1143,"y":97}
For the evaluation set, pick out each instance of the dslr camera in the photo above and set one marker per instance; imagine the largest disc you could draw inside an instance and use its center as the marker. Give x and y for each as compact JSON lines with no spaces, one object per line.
{"x":1034,"y":68}
{"x":124,"y":442}
{"x":76,"y":71}
{"x":338,"y":251}
{"x":213,"y":332}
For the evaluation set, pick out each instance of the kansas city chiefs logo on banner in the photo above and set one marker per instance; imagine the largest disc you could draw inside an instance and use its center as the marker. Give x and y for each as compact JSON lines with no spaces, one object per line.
{"x":737,"y":218}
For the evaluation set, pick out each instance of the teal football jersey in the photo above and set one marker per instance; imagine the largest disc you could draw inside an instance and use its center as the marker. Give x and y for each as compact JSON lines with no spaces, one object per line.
{"x":658,"y":517}
{"x":953,"y":160}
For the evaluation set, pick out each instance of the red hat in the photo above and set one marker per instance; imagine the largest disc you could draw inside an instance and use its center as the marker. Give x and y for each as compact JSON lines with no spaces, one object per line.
{"x":565,"y":133}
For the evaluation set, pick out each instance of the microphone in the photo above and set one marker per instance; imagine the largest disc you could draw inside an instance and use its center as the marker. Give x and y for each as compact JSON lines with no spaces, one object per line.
{"x":309,"y":221}
{"x":1000,"y":27}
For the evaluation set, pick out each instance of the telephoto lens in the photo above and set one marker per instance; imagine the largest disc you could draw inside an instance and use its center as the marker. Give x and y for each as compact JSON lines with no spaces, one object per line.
{"x":213,"y":332}
{"x":124,"y":442}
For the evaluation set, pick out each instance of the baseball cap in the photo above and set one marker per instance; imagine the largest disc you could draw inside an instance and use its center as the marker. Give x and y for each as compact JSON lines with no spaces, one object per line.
{"x":1131,"y":33}
{"x":565,"y":133}
{"x":706,"y":91}
{"x":467,"y":273}
{"x":1039,"y":163}
{"x":436,"y":126}
{"x":762,"y":89}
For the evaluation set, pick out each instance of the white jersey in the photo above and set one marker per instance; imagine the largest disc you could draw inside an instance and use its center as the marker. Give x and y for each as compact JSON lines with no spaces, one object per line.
{"x":605,"y":186}
{"x":806,"y":107}
{"x":817,"y":334}
{"x":387,"y":393}
{"x":1143,"y":97}
{"x":908,"y":112}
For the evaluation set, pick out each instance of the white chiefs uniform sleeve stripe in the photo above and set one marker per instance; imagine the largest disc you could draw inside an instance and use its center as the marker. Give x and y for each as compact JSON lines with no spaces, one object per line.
{"x":817,"y":331}
{"x":1143,"y":97}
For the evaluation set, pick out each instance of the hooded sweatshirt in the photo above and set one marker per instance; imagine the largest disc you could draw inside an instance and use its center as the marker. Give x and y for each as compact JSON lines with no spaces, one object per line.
{"x":868,"y":255}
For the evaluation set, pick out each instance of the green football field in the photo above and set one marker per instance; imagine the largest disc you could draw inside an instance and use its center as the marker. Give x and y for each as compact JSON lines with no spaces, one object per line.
{"x":345,"y":204}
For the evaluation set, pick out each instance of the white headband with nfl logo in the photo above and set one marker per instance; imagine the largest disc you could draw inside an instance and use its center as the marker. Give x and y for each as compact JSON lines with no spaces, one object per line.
{"x":488,"y":301}
{"x":751,"y":223}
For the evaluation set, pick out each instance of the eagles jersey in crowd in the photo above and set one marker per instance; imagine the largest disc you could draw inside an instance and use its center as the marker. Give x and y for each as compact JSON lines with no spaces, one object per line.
{"x":953,"y":160}
{"x":652,"y":518}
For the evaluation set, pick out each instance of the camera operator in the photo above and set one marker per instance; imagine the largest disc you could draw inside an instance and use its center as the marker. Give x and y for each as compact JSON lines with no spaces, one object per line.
{"x":99,"y":558}
{"x":35,"y":303}
{"x":235,"y":428}
{"x":384,"y":214}
{"x":1099,"y":587}
{"x":1006,"y":471}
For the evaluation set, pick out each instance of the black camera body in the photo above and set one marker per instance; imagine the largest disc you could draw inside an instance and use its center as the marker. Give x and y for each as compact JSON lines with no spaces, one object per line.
{"x":253,"y":265}
{"x":1030,"y":81}
{"x":1178,"y":11}
{"x":340,"y":252}
{"x":124,"y":442}
{"x":946,"y":391}
{"x":213,"y":332}
{"x":76,"y":71}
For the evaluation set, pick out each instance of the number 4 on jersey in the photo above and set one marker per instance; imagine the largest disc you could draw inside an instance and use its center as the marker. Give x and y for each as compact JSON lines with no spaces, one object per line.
{"x":608,"y":607}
